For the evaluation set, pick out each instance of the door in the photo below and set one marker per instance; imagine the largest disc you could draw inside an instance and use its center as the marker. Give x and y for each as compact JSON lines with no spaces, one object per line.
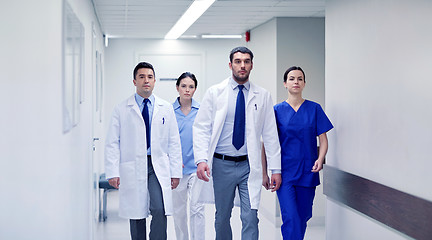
{"x":168,"y":67}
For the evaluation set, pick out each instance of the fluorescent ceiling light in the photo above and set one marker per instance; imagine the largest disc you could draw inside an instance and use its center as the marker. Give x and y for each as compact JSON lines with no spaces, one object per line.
{"x":195,"y":11}
{"x":221,"y":36}
{"x":189,"y":36}
{"x":106,"y":40}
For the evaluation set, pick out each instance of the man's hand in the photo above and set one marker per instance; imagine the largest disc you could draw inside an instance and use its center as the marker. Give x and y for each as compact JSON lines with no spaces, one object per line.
{"x":174,"y":182}
{"x":276,"y":180}
{"x":266,"y":182}
{"x":203,"y":171}
{"x":114,"y":182}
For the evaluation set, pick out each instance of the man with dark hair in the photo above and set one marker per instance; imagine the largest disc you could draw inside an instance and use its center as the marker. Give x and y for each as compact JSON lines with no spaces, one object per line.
{"x":143,"y":156}
{"x":234,"y":116}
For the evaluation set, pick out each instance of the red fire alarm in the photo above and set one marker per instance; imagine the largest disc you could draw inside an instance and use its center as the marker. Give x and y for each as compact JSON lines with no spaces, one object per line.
{"x":247,"y":36}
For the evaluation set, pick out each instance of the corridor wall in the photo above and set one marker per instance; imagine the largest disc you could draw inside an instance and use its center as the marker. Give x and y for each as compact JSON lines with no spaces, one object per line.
{"x":378,"y":68}
{"x":47,"y":183}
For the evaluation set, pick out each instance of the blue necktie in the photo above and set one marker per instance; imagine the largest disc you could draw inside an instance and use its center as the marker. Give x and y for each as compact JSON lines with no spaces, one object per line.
{"x":145,"y":114}
{"x":239,"y":120}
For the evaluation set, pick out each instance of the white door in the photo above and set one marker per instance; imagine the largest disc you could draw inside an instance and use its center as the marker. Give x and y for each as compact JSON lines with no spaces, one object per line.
{"x":168,"y":67}
{"x":97,"y":131}
{"x":97,"y":134}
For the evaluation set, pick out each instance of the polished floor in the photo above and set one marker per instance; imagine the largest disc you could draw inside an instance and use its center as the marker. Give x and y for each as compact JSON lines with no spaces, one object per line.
{"x":115,"y":228}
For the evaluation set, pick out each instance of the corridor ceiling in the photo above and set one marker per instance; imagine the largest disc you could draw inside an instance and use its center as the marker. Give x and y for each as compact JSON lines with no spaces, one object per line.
{"x":152,"y":19}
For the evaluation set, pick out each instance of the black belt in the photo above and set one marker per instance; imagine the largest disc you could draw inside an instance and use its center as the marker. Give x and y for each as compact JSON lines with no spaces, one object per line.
{"x":231,"y":158}
{"x":148,"y":157}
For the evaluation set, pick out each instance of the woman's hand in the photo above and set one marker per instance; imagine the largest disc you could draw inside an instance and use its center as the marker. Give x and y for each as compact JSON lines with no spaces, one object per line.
{"x":323,"y":146}
{"x":317,"y":166}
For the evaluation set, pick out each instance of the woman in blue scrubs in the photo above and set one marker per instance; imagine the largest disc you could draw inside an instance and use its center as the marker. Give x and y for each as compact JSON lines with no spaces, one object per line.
{"x":299,"y":122}
{"x":186,"y":108}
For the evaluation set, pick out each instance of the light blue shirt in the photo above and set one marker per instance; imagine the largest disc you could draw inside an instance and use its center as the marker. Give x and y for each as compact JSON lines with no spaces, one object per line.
{"x":185,"y":123}
{"x":225,"y":145}
{"x":139,"y":100}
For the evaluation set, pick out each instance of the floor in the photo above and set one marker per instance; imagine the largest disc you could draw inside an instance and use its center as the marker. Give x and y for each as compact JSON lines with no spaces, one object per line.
{"x":116,"y":228}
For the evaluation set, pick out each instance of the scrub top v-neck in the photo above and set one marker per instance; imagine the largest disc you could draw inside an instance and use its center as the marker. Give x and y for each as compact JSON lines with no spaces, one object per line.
{"x":298,"y":131}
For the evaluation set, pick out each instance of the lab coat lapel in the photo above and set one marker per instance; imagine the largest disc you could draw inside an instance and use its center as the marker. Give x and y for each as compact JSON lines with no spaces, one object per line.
{"x":251,"y":95}
{"x":133,"y":104}
{"x":155,"y":108}
{"x":221,"y":108}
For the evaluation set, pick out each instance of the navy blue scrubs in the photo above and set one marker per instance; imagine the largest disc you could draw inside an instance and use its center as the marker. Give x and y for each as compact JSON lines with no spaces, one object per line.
{"x":298,"y":133}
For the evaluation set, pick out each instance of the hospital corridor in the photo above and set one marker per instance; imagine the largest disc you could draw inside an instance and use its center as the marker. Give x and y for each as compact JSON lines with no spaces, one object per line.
{"x":116,"y":228}
{"x":66,"y":65}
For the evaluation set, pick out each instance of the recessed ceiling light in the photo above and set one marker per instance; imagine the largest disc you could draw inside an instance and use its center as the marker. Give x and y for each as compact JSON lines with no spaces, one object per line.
{"x":221,"y":36}
{"x":195,"y":11}
{"x":189,"y":36}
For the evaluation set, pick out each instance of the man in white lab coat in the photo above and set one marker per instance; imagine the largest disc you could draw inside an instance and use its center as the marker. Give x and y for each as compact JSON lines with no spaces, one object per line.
{"x":234,"y":117}
{"x":143,"y":156}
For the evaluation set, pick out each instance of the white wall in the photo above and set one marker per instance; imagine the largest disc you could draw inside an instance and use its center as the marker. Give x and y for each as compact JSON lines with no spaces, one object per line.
{"x":46,"y":178}
{"x":263,"y":45}
{"x":378,"y":68}
{"x":300,"y":42}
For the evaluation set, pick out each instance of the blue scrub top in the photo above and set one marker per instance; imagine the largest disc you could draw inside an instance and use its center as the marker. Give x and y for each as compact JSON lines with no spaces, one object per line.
{"x":185,"y":124}
{"x":298,"y":133}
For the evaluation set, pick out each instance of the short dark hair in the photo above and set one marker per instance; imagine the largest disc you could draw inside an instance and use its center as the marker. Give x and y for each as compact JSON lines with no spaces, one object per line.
{"x":242,"y":50}
{"x":185,"y":75}
{"x":292,"y":69}
{"x":143,"y":65}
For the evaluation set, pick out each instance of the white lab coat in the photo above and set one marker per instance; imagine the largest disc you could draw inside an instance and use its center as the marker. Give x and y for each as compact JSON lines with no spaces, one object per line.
{"x":260,"y":124}
{"x":126,"y":155}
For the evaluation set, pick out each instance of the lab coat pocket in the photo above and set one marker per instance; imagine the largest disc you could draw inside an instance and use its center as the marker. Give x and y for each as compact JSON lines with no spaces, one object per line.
{"x":161,"y":126}
{"x":255,"y":108}
{"x":127,"y":175}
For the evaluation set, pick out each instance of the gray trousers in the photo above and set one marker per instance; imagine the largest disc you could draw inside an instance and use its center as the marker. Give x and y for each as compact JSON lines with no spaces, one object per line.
{"x":158,"y":225}
{"x":227,"y":176}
